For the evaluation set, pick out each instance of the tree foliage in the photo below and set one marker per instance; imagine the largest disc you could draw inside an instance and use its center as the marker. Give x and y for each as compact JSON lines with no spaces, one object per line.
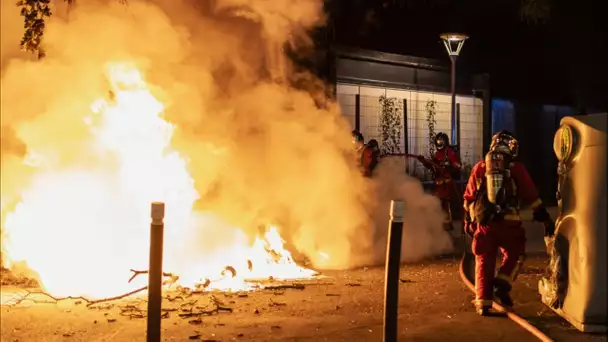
{"x":535,"y":11}
{"x":34,"y":13}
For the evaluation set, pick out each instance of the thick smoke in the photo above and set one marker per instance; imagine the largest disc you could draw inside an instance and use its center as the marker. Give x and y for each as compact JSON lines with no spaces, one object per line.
{"x":259,"y":151}
{"x":423,"y":233}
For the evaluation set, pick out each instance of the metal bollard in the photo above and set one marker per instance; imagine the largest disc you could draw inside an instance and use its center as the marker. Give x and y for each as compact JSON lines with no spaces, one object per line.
{"x":155,"y":273}
{"x":391,"y":281}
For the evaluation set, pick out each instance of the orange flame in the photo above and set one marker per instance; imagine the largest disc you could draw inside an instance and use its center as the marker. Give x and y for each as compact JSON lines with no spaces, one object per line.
{"x":82,"y":226}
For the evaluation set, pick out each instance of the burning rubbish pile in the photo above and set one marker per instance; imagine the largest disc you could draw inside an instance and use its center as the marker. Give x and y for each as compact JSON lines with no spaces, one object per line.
{"x":176,"y":102}
{"x":130,"y":136}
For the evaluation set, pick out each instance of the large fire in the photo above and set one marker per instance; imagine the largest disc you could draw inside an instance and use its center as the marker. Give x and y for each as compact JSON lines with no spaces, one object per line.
{"x":82,"y":226}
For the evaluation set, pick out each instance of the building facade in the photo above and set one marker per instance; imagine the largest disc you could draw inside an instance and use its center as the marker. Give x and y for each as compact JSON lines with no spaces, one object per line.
{"x":420,"y":91}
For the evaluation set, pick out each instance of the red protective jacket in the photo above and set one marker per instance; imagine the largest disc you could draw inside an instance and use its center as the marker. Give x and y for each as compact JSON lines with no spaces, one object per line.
{"x":443,"y":180}
{"x":444,"y":158}
{"x":522,"y":188}
{"x":369,"y":160}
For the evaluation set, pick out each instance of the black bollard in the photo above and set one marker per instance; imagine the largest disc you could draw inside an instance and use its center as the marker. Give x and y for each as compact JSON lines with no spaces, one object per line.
{"x":155,"y":273}
{"x":391,"y":281}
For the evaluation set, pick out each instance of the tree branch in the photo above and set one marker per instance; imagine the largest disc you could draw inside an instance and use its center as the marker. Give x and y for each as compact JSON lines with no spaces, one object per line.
{"x":172,"y":279}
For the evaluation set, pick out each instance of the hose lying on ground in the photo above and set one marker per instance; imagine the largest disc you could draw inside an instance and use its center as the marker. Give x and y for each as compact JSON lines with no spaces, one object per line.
{"x":466,"y":259}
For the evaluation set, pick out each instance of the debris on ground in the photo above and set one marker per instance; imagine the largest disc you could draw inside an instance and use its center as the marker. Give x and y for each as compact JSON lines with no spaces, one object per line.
{"x":196,"y":321}
{"x":273,"y":303}
{"x":8,"y":278}
{"x":285,"y":286}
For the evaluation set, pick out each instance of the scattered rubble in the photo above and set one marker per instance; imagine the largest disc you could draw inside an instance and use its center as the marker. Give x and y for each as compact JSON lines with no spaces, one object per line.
{"x":285,"y":286}
{"x":8,"y":278}
{"x":273,"y":303}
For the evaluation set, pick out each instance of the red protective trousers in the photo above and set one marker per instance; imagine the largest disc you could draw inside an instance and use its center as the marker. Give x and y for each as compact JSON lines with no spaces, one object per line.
{"x":443,"y":190}
{"x":444,"y":185}
{"x":510,"y":237}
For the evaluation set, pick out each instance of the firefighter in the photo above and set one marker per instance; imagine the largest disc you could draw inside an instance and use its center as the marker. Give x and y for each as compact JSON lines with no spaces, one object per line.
{"x":497,"y":189}
{"x":370,"y":157}
{"x":368,"y":153}
{"x":447,"y":167}
{"x":446,"y":156}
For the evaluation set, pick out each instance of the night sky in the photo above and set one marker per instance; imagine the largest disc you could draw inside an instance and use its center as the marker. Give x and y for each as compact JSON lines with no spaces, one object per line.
{"x":561,"y":61}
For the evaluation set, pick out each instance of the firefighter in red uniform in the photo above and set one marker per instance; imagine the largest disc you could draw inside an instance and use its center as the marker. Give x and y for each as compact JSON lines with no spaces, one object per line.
{"x":446,"y":167}
{"x":368,"y":153}
{"x":497,"y":188}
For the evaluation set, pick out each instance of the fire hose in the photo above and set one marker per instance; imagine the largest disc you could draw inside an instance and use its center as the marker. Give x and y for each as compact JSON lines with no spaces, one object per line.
{"x":468,"y":259}
{"x":426,"y":162}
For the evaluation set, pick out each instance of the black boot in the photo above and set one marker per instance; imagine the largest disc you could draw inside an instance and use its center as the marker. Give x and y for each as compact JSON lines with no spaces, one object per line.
{"x":502,"y":290}
{"x":481,"y":308}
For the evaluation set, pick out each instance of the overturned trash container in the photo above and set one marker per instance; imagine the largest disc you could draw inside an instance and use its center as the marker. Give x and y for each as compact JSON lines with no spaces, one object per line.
{"x":575,"y":285}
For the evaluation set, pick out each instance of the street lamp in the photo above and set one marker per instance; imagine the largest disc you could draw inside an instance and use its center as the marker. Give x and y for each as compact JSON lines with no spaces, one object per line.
{"x":453,"y":44}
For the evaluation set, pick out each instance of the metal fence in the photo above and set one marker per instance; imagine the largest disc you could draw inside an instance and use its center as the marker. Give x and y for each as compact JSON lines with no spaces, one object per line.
{"x":364,"y":112}
{"x":348,"y":107}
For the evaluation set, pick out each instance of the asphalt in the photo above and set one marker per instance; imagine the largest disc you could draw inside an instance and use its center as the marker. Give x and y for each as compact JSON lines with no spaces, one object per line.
{"x":434,"y":305}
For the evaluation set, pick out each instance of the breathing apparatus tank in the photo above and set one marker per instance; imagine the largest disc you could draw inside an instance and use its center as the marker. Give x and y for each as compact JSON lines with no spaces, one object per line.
{"x":497,"y":172}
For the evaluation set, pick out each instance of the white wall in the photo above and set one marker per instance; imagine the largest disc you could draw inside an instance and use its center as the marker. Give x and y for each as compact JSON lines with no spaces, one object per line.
{"x":471,"y":114}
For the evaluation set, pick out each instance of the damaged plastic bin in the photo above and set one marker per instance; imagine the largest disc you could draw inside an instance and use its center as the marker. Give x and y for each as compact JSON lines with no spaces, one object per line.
{"x":576,"y":283}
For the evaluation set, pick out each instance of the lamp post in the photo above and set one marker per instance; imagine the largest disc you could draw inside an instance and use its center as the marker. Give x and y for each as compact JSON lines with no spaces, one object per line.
{"x":453,"y":44}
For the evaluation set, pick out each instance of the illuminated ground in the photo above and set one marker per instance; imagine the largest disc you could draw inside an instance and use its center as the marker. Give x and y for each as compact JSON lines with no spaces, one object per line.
{"x":434,"y":306}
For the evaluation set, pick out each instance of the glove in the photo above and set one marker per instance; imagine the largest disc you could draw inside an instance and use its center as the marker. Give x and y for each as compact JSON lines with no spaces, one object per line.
{"x":467,"y":217}
{"x":421,"y":159}
{"x":470,"y":228}
{"x":549,"y":228}
{"x":541,"y":214}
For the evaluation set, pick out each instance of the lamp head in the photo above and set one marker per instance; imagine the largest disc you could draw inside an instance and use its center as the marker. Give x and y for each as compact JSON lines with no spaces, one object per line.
{"x":453,"y":42}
